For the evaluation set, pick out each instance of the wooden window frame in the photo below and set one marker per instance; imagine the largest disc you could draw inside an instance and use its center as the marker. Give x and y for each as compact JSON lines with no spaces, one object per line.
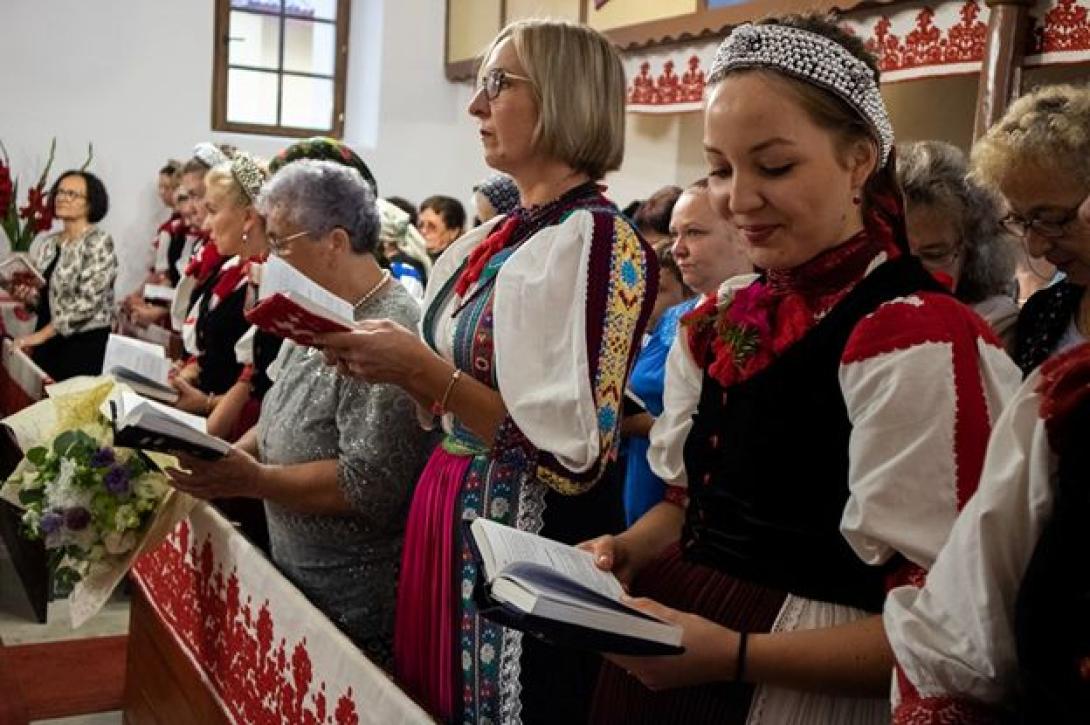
{"x":220,"y":65}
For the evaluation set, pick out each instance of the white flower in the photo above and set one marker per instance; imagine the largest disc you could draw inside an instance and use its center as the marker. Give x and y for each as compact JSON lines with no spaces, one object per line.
{"x":150,"y":487}
{"x":469,"y":514}
{"x":467,"y":589}
{"x":126,"y":517}
{"x":467,"y":661}
{"x":488,"y":653}
{"x":500,"y":507}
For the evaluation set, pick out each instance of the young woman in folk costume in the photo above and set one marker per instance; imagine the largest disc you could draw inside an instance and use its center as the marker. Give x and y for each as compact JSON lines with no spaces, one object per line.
{"x":844,"y":403}
{"x":531,"y":324}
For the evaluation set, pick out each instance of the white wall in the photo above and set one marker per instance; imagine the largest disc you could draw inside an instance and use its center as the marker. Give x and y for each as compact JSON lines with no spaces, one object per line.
{"x":134,"y":77}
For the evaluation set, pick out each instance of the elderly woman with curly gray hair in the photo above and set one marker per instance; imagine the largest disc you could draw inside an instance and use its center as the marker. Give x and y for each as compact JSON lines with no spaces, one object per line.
{"x":333,"y":457}
{"x":953,"y":227}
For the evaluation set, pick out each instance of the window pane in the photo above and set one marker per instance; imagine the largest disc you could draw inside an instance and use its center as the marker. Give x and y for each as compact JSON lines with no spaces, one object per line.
{"x":308,"y":103}
{"x":268,"y":6}
{"x":251,"y":97}
{"x":309,"y":47}
{"x":317,"y":9}
{"x":255,"y":40}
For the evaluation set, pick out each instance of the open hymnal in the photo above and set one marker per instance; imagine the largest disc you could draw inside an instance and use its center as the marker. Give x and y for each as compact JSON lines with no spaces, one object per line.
{"x":292,"y":306}
{"x":20,"y":278}
{"x":555,"y":591}
{"x":145,"y":424}
{"x":141,"y":365}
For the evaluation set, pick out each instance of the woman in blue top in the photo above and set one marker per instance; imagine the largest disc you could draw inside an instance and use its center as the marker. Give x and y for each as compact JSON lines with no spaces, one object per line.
{"x":704,"y":254}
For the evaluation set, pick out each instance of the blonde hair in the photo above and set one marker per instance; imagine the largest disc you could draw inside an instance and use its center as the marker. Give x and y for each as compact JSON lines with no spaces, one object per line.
{"x":221,"y":180}
{"x":1049,"y":126}
{"x":580,"y":122}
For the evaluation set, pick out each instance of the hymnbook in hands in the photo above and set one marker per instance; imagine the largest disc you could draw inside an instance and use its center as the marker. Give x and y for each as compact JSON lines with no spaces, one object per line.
{"x":141,"y":365}
{"x":555,"y":591}
{"x":292,"y":306}
{"x":147,"y":425}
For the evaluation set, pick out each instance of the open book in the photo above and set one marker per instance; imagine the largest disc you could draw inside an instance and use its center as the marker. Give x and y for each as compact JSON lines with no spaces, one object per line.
{"x":16,"y":271}
{"x":145,"y":424}
{"x":290,"y":305}
{"x":158,"y":294}
{"x":141,"y":365}
{"x":555,"y":592}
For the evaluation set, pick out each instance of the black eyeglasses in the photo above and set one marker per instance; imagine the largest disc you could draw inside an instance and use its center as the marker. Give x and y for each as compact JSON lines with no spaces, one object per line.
{"x":495,"y":80}
{"x":1020,"y":226}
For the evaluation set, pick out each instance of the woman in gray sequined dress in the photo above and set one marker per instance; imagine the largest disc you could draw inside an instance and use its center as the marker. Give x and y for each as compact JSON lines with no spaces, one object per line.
{"x":334,"y":458}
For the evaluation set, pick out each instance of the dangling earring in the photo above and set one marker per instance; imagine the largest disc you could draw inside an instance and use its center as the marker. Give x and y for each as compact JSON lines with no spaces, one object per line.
{"x":857,"y":199}
{"x":245,"y":237}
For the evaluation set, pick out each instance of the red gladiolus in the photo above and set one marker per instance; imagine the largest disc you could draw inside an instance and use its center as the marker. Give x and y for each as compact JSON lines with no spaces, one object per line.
{"x":7,"y":189}
{"x":37,"y":209}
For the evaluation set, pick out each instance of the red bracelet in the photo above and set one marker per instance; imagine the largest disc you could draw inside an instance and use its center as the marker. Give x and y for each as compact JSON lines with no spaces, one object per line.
{"x":439,"y":407}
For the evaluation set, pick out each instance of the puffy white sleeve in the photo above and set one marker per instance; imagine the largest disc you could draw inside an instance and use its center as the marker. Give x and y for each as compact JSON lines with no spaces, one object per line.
{"x":680,"y":395}
{"x":571,"y":305}
{"x":923,"y":379}
{"x":955,"y":636}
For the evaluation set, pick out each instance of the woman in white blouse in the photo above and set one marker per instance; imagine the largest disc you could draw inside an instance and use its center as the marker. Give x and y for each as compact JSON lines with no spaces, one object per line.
{"x":531,"y":324}
{"x":75,"y":309}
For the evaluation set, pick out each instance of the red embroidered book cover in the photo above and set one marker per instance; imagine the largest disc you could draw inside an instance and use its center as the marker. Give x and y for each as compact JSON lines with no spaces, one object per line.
{"x":295,"y":318}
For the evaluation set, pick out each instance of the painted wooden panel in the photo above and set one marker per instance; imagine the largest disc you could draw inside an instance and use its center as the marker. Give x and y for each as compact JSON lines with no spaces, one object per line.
{"x":564,"y":9}
{"x":471,"y":25}
{"x":621,"y":13}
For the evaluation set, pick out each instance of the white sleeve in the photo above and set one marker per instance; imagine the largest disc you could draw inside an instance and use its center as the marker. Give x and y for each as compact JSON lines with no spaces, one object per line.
{"x":542,"y":318}
{"x":955,"y":636}
{"x":680,"y":395}
{"x":921,"y":390}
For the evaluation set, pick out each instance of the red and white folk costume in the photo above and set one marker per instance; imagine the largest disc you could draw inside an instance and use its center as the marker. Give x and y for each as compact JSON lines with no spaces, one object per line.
{"x":922,"y":378}
{"x":958,"y":639}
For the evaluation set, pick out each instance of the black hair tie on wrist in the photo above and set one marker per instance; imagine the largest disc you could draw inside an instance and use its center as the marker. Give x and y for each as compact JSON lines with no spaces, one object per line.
{"x":740,"y":663}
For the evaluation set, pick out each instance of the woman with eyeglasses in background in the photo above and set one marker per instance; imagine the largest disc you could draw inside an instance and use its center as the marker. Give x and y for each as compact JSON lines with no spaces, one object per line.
{"x":76,"y":306}
{"x":953,"y":229}
{"x":531,"y":323}
{"x":1038,"y":158}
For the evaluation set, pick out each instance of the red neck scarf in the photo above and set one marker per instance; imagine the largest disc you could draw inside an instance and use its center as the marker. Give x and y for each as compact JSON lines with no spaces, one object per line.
{"x":206,"y":260}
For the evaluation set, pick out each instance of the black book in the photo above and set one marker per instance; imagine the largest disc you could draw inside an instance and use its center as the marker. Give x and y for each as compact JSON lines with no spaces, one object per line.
{"x":147,"y":425}
{"x":555,"y":592}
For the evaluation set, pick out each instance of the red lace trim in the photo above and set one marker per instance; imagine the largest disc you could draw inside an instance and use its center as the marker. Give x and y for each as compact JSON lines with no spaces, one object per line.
{"x":1064,"y":388}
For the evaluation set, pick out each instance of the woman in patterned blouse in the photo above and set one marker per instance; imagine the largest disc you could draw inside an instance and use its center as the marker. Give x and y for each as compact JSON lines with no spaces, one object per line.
{"x":75,"y":308}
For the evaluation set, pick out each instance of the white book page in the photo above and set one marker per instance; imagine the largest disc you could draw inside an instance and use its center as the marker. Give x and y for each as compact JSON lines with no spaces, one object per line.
{"x":141,"y":357}
{"x":133,"y":407}
{"x":277,"y":276}
{"x":158,"y":292}
{"x":508,"y":545}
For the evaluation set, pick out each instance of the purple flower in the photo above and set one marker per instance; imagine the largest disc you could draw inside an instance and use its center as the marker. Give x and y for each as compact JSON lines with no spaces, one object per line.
{"x":51,"y":522}
{"x":117,"y":480}
{"x":103,"y":458}
{"x":77,"y":518}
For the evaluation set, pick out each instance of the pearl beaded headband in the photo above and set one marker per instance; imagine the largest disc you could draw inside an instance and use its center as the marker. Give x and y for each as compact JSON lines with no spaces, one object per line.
{"x":248,"y":174}
{"x":812,"y":58}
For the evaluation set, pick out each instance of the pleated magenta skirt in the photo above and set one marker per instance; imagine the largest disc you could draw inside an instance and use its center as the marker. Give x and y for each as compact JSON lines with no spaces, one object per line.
{"x":425,"y":631}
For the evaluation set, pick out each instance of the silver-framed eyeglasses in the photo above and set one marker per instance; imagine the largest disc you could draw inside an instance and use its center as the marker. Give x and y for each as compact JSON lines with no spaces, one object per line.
{"x":495,"y":80}
{"x":279,"y":245}
{"x":69,"y":194}
{"x":1020,"y":226}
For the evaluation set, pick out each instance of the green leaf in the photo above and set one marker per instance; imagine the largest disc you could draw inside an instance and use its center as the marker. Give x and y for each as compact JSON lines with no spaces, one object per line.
{"x":37,"y":456}
{"x":29,"y":497}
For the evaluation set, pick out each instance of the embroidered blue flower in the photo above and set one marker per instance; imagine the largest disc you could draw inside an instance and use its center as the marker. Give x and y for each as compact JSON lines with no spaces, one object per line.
{"x":629,"y":273}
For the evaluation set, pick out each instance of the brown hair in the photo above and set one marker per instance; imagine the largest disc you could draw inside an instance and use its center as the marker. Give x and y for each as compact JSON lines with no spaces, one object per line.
{"x":654,"y":214}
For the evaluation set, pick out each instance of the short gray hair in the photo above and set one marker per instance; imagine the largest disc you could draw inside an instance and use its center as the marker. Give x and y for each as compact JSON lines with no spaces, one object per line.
{"x":320,"y":196}
{"x":935,"y":173}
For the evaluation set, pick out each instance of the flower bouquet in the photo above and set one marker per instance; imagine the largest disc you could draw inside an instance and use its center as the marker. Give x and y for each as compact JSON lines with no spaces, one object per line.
{"x":97,"y":507}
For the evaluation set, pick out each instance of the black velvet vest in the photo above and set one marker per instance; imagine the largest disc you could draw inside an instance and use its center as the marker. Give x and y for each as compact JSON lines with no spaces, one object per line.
{"x":218,"y":329}
{"x":767,"y":461}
